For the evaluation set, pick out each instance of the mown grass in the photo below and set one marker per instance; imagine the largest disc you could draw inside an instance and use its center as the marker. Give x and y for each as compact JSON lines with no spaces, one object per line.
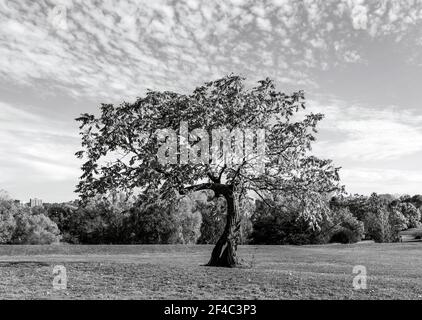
{"x":177,"y":272}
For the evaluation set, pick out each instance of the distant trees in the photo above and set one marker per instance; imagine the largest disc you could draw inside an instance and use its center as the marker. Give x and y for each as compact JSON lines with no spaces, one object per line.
{"x":200,"y":219}
{"x":34,"y":229}
{"x":21,"y":225}
{"x":351,"y":218}
{"x":411,"y":213}
{"x":64,"y":216}
{"x":7,"y":221}
{"x":282,"y":223}
{"x":152,"y":223}
{"x":101,"y":220}
{"x":344,"y":227}
{"x":384,"y":216}
{"x":416,"y":201}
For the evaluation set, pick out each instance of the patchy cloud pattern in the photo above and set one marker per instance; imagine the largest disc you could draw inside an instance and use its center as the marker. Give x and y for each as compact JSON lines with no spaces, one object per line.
{"x":359,"y":62}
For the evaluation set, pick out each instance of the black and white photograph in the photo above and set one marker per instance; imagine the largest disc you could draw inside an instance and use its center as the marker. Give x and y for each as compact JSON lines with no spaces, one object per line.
{"x":230,"y":151}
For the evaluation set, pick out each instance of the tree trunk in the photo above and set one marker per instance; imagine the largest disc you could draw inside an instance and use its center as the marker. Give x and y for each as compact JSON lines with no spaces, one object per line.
{"x":224,"y":252}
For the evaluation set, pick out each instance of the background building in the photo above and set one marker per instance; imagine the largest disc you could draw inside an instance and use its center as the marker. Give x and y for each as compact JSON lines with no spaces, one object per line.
{"x":35,"y":202}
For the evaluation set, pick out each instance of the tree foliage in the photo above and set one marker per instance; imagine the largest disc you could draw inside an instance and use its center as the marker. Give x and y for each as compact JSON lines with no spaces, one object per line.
{"x":24,"y":225}
{"x":345,"y":227}
{"x":383,"y":222}
{"x":129,"y":130}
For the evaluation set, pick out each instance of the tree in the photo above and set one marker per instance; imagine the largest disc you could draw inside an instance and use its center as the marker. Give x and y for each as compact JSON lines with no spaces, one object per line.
{"x":38,"y":229}
{"x":33,"y":228}
{"x":151,"y":221}
{"x":282,"y":223}
{"x":213,"y":220}
{"x":346,"y":227}
{"x":383,"y":221}
{"x":356,"y":204}
{"x":63,"y":214}
{"x":411,"y":213}
{"x":257,"y":145}
{"x":417,"y":201}
{"x":99,"y":220}
{"x":7,"y":220}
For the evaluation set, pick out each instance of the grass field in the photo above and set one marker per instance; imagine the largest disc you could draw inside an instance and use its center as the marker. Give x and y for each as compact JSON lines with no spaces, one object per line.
{"x":176,"y":272}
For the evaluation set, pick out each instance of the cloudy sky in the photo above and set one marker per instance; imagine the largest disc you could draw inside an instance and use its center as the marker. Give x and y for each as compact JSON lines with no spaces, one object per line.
{"x":359,"y":62}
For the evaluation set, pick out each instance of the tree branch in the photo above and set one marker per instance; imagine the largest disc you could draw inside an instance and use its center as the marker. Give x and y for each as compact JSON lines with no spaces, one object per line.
{"x":218,"y":188}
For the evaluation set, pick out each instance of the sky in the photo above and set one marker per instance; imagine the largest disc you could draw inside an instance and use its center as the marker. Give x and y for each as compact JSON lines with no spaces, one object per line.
{"x":359,"y":62}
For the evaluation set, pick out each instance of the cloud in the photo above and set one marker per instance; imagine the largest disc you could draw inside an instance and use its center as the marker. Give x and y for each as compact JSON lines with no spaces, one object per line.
{"x":115,"y":50}
{"x":34,"y":148}
{"x":394,"y":181}
{"x":352,"y":57}
{"x":372,"y":145}
{"x":359,"y":15}
{"x":369,"y":134}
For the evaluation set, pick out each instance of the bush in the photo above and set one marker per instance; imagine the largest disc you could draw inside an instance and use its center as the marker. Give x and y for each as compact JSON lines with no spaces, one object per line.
{"x":22,"y":225}
{"x":7,"y":223}
{"x":34,"y":229}
{"x":383,"y":222}
{"x":62,"y":215}
{"x":7,"y":220}
{"x":100,"y":221}
{"x":151,"y":223}
{"x":346,"y":228}
{"x":411,"y":214}
{"x":344,"y":236}
{"x":282,"y":224}
{"x":41,"y":230}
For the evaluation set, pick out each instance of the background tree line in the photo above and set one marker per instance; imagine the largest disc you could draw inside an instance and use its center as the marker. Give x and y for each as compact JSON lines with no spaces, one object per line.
{"x":200,"y":219}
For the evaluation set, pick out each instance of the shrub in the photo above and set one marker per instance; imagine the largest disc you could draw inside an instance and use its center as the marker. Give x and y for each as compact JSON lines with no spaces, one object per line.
{"x":42,"y":230}
{"x":411,"y":214}
{"x":355,"y":204}
{"x":383,"y":222}
{"x":346,"y":228}
{"x":151,"y":223}
{"x":61,"y":214}
{"x":344,"y":236}
{"x":7,"y":223}
{"x":7,"y":220}
{"x":34,"y":229}
{"x":282,"y":224}
{"x":64,"y":216}
{"x":100,"y":221}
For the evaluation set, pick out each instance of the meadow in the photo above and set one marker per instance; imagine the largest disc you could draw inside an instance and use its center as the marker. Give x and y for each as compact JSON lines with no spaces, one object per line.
{"x":177,"y":272}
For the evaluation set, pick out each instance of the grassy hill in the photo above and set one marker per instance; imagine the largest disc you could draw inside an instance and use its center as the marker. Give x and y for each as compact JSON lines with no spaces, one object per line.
{"x":176,"y":272}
